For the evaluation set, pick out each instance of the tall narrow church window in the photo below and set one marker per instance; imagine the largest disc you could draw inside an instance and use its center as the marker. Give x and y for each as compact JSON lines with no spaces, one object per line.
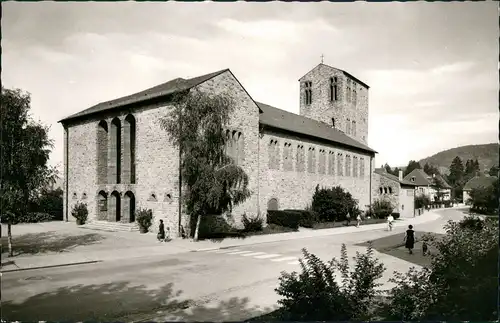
{"x":271,"y":154}
{"x":322,"y":161}
{"x":340,"y":171}
{"x":308,"y":92}
{"x":347,"y":165}
{"x":300,"y":158}
{"x":362,"y":168}
{"x":287,"y":157}
{"x":355,"y":167}
{"x":348,"y":94}
{"x":353,"y":128}
{"x":331,"y":162}
{"x":311,"y":160}
{"x":334,"y":89}
{"x":348,"y":127}
{"x":354,"y":96}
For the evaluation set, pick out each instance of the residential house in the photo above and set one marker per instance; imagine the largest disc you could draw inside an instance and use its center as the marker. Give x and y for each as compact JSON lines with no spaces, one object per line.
{"x":400,"y":192}
{"x":426,"y":185}
{"x":476,"y":182}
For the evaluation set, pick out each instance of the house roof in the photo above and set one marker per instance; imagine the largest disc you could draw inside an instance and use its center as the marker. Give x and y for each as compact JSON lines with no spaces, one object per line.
{"x":280,"y":119}
{"x":383,"y":172}
{"x":170,"y":87}
{"x":423,"y":179}
{"x":479,"y":181}
{"x":344,"y":72}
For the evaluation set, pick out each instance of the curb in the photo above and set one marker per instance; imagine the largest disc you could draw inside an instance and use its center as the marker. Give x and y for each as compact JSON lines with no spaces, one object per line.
{"x":306,"y":237}
{"x":53,"y":266}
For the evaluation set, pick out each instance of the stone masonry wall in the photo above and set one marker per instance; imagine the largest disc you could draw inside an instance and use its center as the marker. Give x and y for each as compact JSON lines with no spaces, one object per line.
{"x":384,"y":182}
{"x":245,"y":118}
{"x":323,"y":109}
{"x":294,"y":190}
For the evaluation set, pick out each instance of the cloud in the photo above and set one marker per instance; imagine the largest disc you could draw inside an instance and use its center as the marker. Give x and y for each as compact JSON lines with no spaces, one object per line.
{"x":452,"y":68}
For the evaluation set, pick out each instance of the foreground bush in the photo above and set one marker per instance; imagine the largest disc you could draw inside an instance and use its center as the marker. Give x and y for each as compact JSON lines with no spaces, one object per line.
{"x":460,"y":285}
{"x":382,"y":208}
{"x":484,"y":200}
{"x":333,"y":204}
{"x":315,"y":294}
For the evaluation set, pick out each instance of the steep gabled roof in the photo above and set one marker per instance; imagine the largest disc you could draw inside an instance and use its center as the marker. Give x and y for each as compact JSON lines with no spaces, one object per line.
{"x":383,"y":172}
{"x":423,"y":179}
{"x":170,"y":87}
{"x":280,"y":119}
{"x":338,"y":69}
{"x":480,"y":181}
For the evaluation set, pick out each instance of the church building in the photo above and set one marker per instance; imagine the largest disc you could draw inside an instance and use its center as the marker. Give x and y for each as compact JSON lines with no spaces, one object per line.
{"x":117,"y":158}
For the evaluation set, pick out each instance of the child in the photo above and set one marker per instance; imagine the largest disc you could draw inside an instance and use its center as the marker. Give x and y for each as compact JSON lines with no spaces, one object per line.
{"x":358,"y":220}
{"x":390,"y":219}
{"x":167,"y":236}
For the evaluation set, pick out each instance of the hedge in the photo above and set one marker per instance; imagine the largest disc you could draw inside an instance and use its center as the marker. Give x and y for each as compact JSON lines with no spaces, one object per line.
{"x":307,"y":218}
{"x":395,"y":215}
{"x":290,"y":219}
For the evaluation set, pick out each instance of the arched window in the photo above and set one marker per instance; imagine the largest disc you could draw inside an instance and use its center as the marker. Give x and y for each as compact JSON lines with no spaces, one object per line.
{"x":129,"y":132}
{"x":272,"y":204}
{"x":115,"y":152}
{"x":102,"y":152}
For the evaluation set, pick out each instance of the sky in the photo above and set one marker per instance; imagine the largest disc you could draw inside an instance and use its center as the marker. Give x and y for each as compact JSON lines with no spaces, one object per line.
{"x":432,"y":67}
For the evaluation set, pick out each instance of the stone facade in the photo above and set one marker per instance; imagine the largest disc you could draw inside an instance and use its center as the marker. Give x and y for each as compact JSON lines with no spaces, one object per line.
{"x":293,"y":186}
{"x":120,"y":160}
{"x":342,"y":107}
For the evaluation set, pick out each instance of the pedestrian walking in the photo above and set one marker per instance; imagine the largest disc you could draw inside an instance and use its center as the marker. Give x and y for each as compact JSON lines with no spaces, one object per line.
{"x":161,"y":232}
{"x":167,"y":235}
{"x":347,"y":219}
{"x":409,"y":239}
{"x":390,"y":219}
{"x":358,"y":220}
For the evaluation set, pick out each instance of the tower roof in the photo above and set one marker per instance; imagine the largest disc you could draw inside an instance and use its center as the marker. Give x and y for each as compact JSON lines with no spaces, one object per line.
{"x":337,"y":69}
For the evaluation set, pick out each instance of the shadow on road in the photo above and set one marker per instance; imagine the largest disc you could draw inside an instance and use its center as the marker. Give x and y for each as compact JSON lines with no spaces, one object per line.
{"x":43,"y":242}
{"x":124,"y":302}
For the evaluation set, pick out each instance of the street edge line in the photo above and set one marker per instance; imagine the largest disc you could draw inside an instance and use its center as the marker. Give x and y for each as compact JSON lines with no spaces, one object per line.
{"x":53,"y":266}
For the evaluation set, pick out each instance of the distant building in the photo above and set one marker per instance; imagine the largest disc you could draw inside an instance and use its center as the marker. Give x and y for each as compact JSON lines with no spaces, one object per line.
{"x":425,"y":184}
{"x":400,"y":192}
{"x":477,"y":182}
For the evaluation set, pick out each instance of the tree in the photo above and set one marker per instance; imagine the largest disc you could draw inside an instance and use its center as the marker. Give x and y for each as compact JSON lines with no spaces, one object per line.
{"x":485,"y":199}
{"x":431,"y":169}
{"x":493,"y":171}
{"x":438,"y":185}
{"x":461,"y":284}
{"x":25,"y":153}
{"x":214,"y":183}
{"x":411,"y":166}
{"x":456,"y":176}
{"x":333,"y":204}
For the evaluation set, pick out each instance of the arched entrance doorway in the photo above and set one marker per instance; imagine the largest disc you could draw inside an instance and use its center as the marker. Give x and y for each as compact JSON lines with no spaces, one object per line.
{"x":128,"y":213}
{"x":102,"y":206}
{"x":114,"y":214}
{"x":272,"y":204}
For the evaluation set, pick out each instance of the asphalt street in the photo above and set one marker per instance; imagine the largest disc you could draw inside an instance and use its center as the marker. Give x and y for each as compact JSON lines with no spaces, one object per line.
{"x":222,"y":285}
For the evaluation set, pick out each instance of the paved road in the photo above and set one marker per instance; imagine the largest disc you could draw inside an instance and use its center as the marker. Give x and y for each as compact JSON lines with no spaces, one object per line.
{"x":231,"y":284}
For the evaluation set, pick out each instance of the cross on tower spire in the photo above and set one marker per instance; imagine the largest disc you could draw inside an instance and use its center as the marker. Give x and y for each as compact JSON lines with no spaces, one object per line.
{"x":322,"y":56}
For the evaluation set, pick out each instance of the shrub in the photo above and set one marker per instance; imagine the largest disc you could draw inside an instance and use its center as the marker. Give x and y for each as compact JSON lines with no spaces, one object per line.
{"x":254,"y":224}
{"x":422,"y":201}
{"x":80,"y":213}
{"x":485,"y":199}
{"x":315,"y":295}
{"x":395,"y":215}
{"x":447,"y":203}
{"x":308,"y":218}
{"x":284,"y":218}
{"x":382,"y":208}
{"x":144,"y":218}
{"x":471,"y":223}
{"x":332,"y":204}
{"x":461,"y":283}
{"x":35,"y":217}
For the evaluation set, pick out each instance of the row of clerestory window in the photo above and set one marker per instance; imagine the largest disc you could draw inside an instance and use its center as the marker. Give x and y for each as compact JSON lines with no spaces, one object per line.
{"x":318,"y":161}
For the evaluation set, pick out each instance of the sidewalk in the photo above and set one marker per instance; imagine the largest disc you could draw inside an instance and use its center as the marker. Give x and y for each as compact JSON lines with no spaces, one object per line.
{"x":177,"y":246}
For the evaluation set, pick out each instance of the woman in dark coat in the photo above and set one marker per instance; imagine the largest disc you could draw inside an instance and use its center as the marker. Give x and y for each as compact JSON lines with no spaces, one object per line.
{"x":410,"y":239}
{"x":161,"y":232}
